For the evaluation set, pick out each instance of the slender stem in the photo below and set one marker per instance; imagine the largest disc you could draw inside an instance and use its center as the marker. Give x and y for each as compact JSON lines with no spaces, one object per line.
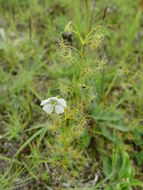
{"x":87,"y":15}
{"x":81,"y":53}
{"x":82,"y":61}
{"x":92,"y":16}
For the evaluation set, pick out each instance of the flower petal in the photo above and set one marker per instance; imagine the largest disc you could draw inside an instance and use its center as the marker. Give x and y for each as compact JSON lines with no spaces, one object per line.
{"x":59,"y":109}
{"x":61,"y":102}
{"x":48,"y":108}
{"x":53,"y":98}
{"x":45,"y":102}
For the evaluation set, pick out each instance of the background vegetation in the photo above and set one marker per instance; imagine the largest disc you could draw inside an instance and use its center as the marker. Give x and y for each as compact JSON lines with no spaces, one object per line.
{"x":98,"y":142}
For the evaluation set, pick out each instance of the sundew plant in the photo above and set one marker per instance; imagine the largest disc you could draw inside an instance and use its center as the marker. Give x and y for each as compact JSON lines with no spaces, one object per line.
{"x":71,"y":95}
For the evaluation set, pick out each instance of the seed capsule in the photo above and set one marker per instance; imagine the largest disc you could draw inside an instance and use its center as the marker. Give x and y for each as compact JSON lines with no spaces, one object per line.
{"x":67,"y":36}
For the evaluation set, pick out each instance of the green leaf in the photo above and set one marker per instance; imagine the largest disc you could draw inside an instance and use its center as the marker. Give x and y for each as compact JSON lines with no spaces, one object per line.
{"x":106,"y":116}
{"x":136,"y":182}
{"x":109,"y":135}
{"x":139,"y":157}
{"x":29,"y":141}
{"x":107,"y":166}
{"x":126,"y":171}
{"x":109,"y":188}
{"x":119,"y":127}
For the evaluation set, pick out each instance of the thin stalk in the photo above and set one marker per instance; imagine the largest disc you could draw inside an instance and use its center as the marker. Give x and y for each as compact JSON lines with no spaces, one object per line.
{"x":87,"y":15}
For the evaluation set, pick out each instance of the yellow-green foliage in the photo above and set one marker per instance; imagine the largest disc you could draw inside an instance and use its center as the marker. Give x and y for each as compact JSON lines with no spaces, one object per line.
{"x":88,"y":53}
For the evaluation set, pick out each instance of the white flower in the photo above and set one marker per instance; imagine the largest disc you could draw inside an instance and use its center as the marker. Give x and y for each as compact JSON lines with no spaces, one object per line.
{"x":54,"y":103}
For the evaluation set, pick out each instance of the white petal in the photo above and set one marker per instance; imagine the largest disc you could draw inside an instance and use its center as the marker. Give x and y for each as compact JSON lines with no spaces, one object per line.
{"x":62,"y":102}
{"x":59,"y":109}
{"x":53,"y":98}
{"x":45,"y":102}
{"x":49,"y":100}
{"x":48,"y":108}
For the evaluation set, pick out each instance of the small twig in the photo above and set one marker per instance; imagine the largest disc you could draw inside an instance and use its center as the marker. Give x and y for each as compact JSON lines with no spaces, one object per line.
{"x":105,"y":12}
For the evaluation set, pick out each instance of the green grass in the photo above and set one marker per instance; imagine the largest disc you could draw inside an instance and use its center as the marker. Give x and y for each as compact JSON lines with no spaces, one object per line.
{"x":97,"y":143}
